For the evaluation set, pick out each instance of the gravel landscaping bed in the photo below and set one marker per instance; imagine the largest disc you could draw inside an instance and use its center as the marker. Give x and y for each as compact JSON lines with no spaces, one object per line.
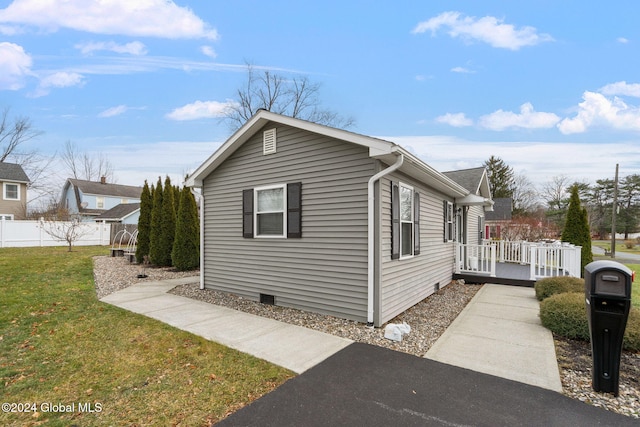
{"x":428,"y":320}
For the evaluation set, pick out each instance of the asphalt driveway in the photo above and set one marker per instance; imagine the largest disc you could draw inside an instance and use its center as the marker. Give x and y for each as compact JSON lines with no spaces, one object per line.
{"x":364,"y":385}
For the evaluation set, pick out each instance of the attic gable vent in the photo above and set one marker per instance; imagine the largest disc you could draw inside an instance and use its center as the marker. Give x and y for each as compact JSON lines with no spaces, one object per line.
{"x":269,"y":141}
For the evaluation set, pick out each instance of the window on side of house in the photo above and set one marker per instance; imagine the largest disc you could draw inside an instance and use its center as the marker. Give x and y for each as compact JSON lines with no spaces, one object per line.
{"x":6,"y":217}
{"x":273,"y":211}
{"x":406,"y":221}
{"x":11,"y":191}
{"x":448,"y":222}
{"x":99,"y":202}
{"x":270,"y":214}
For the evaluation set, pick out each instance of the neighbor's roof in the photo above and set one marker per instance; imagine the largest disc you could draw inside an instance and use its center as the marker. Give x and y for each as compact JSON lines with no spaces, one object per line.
{"x":501,"y":210}
{"x":378,"y":148}
{"x":119,"y":212}
{"x":100,"y":189}
{"x":12,"y":172}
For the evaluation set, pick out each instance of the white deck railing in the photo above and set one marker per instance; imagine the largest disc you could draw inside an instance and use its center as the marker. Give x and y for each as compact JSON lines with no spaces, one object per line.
{"x":544,"y":259}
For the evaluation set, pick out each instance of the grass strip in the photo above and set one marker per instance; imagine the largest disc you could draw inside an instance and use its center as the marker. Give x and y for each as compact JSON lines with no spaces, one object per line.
{"x":75,"y":360}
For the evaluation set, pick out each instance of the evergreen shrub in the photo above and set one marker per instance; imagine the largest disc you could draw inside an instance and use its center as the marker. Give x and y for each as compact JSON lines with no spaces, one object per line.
{"x":556,"y":285}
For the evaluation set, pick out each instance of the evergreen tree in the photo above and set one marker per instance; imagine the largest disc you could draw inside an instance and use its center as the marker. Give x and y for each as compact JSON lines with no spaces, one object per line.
{"x":501,"y":178}
{"x":144,"y":223}
{"x":168,"y":223}
{"x":155,"y":235}
{"x":186,"y":246}
{"x":576,"y":228}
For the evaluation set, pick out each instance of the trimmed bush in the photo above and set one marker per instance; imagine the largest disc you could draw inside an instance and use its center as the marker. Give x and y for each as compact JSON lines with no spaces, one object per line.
{"x":632,"y":333}
{"x":565,"y":314}
{"x":557,"y":285}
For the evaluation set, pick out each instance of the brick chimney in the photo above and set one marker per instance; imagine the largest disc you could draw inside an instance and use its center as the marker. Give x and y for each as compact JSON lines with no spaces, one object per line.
{"x":103,"y":180}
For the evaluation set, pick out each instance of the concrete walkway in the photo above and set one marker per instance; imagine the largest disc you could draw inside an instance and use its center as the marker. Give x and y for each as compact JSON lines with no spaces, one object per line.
{"x":293,"y":347}
{"x":499,"y":333}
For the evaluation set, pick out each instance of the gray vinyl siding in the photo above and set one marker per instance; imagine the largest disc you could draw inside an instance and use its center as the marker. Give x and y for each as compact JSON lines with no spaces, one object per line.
{"x":325,"y":271}
{"x":472,"y":224}
{"x":405,"y":282}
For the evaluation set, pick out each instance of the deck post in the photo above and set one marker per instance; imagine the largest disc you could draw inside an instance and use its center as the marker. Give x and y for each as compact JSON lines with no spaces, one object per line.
{"x":457,"y":258}
{"x":493,"y":249}
{"x":532,"y":260}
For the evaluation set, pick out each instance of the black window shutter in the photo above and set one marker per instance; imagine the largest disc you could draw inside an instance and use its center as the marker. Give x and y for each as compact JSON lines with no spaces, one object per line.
{"x":395,"y":220}
{"x":247,"y":213}
{"x":416,"y":223}
{"x":294,"y":210}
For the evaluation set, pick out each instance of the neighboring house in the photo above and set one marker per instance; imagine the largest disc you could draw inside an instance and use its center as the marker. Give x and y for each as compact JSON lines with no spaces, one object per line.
{"x":127,"y":213}
{"x":89,"y":199}
{"x":470,"y":217}
{"x":14,"y":182}
{"x":499,"y":218}
{"x":302,"y":215}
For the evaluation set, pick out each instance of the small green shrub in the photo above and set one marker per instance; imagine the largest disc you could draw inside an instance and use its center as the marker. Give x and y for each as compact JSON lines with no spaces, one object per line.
{"x":556,"y":285}
{"x":632,"y":332}
{"x":565,"y":314}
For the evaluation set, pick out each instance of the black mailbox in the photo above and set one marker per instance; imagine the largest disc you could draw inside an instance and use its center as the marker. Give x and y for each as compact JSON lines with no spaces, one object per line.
{"x":608,"y":299}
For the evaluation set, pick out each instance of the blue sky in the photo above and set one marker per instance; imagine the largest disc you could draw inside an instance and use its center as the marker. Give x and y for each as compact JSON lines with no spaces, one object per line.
{"x":551,"y":87}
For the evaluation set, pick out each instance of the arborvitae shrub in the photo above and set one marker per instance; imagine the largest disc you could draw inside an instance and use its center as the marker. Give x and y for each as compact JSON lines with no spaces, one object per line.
{"x":144,"y":223}
{"x":557,"y":285}
{"x":186,"y":246}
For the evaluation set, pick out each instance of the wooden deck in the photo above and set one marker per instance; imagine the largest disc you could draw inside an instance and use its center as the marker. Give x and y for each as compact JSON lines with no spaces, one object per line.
{"x":506,"y":274}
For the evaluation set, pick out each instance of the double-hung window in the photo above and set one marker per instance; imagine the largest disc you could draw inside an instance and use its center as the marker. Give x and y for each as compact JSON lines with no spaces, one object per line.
{"x":406,"y":221}
{"x":270,"y":213}
{"x":11,"y":191}
{"x":448,"y":222}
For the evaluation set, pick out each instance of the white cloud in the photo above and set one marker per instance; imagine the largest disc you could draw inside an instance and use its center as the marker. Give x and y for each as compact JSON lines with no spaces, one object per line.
{"x":149,"y":18}
{"x":621,"y":88}
{"x":488,"y":29}
{"x":15,"y":66}
{"x":622,"y":40}
{"x":133,"y":48}
{"x":598,"y":110}
{"x":113,"y":111}
{"x":58,"y":79}
{"x":208,"y":51}
{"x":200,"y":110}
{"x":462,"y":70}
{"x":539,"y":161}
{"x":456,"y":120}
{"x":527,"y":119}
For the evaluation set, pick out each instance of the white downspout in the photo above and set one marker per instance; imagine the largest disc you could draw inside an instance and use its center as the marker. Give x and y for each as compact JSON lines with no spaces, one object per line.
{"x":371,"y":232}
{"x":201,"y":235}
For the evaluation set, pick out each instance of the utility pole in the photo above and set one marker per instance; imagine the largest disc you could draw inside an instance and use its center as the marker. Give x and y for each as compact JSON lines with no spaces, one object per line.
{"x":613,"y":215}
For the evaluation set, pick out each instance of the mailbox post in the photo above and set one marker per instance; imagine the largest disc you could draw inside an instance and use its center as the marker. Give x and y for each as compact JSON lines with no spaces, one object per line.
{"x":608,"y":301}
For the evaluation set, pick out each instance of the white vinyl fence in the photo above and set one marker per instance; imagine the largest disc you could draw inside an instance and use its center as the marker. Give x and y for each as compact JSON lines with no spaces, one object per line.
{"x":22,"y":234}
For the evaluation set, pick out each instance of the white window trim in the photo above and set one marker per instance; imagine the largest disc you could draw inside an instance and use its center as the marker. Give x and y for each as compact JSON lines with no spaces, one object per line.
{"x":449,"y":222}
{"x":407,"y":186}
{"x":4,"y":191}
{"x":284,"y":212}
{"x":6,"y":217}
{"x":98,"y":200}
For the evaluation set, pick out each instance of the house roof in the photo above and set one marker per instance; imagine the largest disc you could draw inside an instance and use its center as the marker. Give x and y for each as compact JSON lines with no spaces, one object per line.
{"x":100,"y":189}
{"x":378,"y":148}
{"x":471,"y":179}
{"x":12,"y":172}
{"x":501,"y":210}
{"x":119,"y":212}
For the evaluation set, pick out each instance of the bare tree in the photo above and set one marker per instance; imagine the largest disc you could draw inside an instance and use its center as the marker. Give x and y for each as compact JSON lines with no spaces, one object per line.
{"x":13,"y":134}
{"x":66,"y":231}
{"x":81,"y":165}
{"x":291,"y":96}
{"x":525,"y":196}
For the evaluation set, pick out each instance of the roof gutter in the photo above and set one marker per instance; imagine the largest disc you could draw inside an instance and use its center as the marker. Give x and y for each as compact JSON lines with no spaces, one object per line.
{"x":371,"y":230}
{"x":201,"y":235}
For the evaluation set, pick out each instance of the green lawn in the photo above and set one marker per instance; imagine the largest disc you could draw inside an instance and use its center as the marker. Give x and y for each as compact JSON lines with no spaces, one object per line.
{"x":60,"y":348}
